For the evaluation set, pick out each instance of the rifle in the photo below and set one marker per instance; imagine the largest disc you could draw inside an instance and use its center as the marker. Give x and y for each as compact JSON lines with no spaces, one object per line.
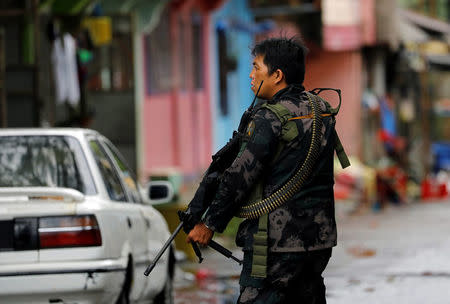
{"x":214,"y":245}
{"x":207,"y":190}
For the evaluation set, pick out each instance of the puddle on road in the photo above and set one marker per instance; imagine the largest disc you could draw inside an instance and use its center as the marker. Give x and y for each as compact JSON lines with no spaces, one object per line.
{"x":206,"y":288}
{"x":361,"y":252}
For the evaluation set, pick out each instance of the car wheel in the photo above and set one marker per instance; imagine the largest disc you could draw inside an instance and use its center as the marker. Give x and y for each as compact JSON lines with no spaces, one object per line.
{"x":123,"y":298}
{"x":166,"y":295}
{"x":125,"y":292}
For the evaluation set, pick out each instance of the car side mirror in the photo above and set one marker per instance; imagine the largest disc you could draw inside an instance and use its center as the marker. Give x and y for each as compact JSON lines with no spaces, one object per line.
{"x":159,"y":192}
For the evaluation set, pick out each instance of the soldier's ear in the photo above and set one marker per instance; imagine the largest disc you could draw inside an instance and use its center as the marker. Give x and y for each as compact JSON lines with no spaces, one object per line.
{"x":279,"y":76}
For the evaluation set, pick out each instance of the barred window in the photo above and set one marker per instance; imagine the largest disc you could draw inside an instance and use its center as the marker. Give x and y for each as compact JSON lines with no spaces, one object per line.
{"x":158,"y":65}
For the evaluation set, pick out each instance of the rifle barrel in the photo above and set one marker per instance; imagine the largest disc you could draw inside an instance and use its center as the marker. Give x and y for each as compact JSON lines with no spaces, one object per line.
{"x":163,"y":249}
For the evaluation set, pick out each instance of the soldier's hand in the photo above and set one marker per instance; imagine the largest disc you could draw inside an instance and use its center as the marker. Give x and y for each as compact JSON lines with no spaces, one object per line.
{"x":200,"y":234}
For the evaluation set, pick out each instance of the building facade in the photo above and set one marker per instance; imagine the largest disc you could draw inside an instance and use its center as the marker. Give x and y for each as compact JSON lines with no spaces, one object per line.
{"x":174,"y":105}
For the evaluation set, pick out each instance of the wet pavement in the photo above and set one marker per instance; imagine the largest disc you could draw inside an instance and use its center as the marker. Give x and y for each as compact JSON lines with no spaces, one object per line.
{"x":399,"y":255}
{"x":214,"y":281}
{"x":210,"y":291}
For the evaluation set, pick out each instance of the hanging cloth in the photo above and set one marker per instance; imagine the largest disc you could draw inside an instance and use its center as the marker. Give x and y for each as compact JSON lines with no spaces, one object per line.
{"x":65,"y":74}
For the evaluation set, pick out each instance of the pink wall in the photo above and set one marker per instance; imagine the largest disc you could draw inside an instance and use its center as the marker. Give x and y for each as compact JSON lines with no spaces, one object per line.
{"x":341,"y":70}
{"x":158,"y":130}
{"x":177,"y":132}
{"x":368,"y":24}
{"x":185,"y":135}
{"x":177,"y":125}
{"x":202,"y":131}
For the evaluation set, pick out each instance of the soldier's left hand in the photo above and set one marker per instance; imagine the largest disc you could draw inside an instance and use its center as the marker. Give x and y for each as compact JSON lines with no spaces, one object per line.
{"x":200,"y":234}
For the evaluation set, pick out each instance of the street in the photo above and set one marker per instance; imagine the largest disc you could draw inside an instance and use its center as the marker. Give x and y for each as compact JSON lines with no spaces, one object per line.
{"x":398,"y":255}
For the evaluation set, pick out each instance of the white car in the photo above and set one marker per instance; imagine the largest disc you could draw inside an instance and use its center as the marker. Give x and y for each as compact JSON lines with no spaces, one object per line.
{"x":73,"y":225}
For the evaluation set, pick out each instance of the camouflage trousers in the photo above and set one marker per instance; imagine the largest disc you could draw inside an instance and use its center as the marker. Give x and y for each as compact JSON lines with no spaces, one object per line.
{"x":291,"y":278}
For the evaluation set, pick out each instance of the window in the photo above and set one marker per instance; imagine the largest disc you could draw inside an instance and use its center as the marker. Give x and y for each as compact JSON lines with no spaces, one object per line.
{"x":44,"y":161}
{"x":197,"y":50}
{"x":223,"y":71}
{"x":108,"y":172}
{"x":128,"y":178}
{"x":183,"y":61}
{"x":158,"y":65}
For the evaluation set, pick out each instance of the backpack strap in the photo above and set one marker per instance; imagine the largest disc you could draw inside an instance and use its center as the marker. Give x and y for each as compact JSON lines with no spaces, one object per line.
{"x":339,"y":148}
{"x":333,"y":111}
{"x":340,"y":152}
{"x":282,"y":113}
{"x":289,"y":129}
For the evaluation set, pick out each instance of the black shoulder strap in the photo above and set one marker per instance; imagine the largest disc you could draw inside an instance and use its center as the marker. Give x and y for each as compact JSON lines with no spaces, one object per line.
{"x":340,"y":152}
{"x":317,"y":91}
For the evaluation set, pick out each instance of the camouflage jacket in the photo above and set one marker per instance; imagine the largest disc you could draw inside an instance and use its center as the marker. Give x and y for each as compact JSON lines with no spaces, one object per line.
{"x":306,"y":222}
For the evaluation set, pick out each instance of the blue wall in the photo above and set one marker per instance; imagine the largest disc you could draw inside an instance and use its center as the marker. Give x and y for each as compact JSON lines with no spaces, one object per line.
{"x":235,"y":14}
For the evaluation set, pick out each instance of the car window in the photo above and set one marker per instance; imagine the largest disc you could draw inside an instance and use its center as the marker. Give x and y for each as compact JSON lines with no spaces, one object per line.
{"x":128,"y":178}
{"x":108,"y":172}
{"x":44,"y":161}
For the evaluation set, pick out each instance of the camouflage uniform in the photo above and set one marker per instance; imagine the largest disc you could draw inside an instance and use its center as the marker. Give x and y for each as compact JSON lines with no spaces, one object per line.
{"x":293,"y":277}
{"x":306,"y":222}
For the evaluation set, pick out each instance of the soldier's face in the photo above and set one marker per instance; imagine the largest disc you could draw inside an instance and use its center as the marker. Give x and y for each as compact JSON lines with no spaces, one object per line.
{"x":260,"y":72}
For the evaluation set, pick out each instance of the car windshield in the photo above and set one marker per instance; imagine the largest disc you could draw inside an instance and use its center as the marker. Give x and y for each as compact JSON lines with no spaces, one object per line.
{"x":44,"y":161}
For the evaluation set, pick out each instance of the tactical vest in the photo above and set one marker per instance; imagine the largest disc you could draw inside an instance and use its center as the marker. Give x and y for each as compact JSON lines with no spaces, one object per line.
{"x":289,"y":132}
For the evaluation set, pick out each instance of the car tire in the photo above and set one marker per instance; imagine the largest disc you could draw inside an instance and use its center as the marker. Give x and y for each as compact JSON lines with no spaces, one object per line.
{"x":124,"y":296}
{"x":166,"y":295}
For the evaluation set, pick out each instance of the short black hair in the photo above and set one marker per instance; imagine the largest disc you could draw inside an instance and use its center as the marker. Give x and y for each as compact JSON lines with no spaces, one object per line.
{"x":286,"y":54}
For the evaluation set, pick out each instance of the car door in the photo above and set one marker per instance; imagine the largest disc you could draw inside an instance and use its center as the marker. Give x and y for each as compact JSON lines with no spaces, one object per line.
{"x":157,"y":231}
{"x":124,"y":211}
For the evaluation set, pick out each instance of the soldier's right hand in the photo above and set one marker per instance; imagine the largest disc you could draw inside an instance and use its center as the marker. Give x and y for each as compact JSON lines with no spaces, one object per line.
{"x":200,"y":234}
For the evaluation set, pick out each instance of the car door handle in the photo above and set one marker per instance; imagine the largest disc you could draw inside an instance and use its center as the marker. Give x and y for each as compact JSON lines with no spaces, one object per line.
{"x":130,"y":224}
{"x":147,"y":223}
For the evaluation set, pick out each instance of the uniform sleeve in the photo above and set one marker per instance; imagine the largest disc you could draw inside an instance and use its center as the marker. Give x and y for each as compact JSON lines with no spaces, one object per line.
{"x":256,"y":153}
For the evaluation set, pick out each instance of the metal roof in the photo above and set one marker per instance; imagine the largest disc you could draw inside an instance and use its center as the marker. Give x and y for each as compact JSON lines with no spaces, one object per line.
{"x":439,"y":61}
{"x":426,"y":22}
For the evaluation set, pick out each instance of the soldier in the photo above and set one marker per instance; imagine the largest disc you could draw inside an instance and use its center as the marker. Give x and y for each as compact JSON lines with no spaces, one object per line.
{"x":302,"y":231}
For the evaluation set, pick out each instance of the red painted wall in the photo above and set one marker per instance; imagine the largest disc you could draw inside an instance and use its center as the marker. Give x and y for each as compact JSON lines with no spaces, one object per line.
{"x":342,"y":70}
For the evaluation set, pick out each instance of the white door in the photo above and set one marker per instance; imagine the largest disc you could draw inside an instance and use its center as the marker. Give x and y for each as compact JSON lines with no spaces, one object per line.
{"x":125,"y":212}
{"x":156,"y":230}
